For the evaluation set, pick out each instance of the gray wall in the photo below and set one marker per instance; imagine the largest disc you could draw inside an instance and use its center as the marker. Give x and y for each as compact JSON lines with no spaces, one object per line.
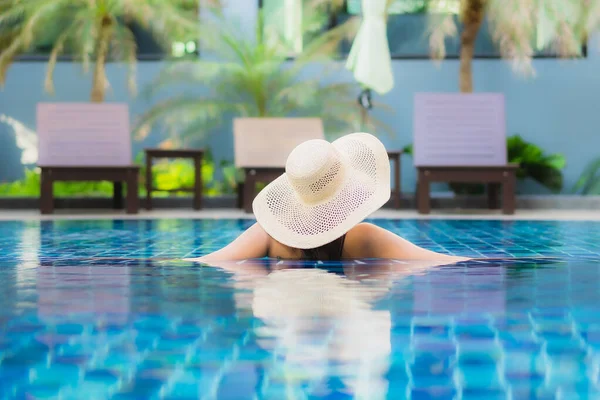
{"x":558,"y":109}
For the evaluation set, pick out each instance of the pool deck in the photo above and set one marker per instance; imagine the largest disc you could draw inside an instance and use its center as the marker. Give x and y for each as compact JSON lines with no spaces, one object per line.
{"x":536,"y":215}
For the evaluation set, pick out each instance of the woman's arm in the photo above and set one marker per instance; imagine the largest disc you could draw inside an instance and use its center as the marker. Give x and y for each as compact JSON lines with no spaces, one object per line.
{"x":371,"y":241}
{"x":253,"y":243}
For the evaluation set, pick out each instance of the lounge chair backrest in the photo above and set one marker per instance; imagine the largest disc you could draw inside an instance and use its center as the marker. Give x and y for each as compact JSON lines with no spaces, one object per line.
{"x":83,"y":134}
{"x":267,"y":142}
{"x":458,"y":129}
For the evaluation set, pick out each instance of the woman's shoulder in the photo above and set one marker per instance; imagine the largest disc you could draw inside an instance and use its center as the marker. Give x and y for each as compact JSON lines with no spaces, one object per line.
{"x":358,"y":239}
{"x":364,"y":228}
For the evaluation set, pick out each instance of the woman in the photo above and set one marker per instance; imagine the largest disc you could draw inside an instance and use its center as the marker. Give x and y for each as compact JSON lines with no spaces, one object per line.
{"x":315,"y":210}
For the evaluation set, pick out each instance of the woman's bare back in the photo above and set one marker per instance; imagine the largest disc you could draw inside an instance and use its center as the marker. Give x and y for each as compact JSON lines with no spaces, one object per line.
{"x":363,"y":241}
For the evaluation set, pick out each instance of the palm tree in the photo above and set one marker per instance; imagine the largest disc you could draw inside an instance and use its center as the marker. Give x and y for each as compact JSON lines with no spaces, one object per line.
{"x":92,"y":31}
{"x":253,"y":77}
{"x":517,"y":27}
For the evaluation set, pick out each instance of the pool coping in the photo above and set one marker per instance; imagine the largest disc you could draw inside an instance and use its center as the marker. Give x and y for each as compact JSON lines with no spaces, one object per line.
{"x":447,"y":214}
{"x":439,"y":200}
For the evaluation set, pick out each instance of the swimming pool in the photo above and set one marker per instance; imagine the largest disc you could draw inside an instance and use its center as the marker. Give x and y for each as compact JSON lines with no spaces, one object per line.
{"x":104,"y":309}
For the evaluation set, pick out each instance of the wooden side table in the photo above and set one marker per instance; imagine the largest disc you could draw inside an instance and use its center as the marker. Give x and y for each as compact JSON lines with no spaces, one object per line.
{"x":494,"y":176}
{"x":128,"y":174}
{"x":195,"y":154}
{"x":394,"y":156}
{"x":252,"y":176}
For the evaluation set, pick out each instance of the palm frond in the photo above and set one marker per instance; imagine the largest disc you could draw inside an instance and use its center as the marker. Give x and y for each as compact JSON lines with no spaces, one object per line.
{"x":377,"y":125}
{"x":165,"y":19}
{"x":31,"y":22}
{"x":124,"y":48}
{"x":561,"y":27}
{"x":182,"y":116}
{"x":253,"y":78}
{"x":590,"y":22}
{"x":519,"y":28}
{"x":440,"y":27}
{"x":327,"y":44}
{"x":191,"y":73}
{"x":11,"y":13}
{"x":45,"y":10}
{"x":56,"y":51}
{"x":7,"y":57}
{"x":512,"y":25}
{"x":185,"y":107}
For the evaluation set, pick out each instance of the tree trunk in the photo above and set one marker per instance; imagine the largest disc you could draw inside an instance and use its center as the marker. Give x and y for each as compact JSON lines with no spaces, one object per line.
{"x":472,"y":15}
{"x":99,"y":78}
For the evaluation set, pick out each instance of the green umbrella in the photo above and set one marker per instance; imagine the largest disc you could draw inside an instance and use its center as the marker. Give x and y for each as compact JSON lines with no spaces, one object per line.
{"x":369,"y":58}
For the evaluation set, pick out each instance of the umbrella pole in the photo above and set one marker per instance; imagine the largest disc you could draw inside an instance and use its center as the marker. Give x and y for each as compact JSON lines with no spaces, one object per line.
{"x":365,"y":102}
{"x":364,"y":114}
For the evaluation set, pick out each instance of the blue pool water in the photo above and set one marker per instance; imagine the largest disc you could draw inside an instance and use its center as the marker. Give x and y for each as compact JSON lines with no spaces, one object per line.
{"x":105,"y":309}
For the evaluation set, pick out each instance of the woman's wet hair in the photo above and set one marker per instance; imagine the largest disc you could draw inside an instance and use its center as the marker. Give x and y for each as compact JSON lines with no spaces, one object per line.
{"x":331,"y":251}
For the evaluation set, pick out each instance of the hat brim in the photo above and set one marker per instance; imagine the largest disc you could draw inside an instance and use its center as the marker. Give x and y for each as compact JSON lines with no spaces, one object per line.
{"x":366,"y":187}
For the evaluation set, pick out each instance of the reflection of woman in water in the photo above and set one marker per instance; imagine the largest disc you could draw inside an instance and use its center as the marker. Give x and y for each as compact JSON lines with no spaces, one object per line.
{"x":314,"y":210}
{"x":323,"y":329}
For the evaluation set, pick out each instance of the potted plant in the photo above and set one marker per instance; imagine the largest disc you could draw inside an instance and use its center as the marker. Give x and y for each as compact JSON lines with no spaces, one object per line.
{"x":254,"y":77}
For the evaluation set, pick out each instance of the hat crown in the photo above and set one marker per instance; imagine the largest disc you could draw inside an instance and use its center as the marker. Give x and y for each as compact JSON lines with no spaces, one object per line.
{"x":315,"y":170}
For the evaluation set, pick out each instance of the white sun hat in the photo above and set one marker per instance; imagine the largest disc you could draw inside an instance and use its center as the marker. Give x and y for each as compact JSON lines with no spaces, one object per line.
{"x":327,"y":189}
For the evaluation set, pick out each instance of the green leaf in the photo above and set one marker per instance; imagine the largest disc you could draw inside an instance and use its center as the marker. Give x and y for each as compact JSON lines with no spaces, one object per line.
{"x":549,"y":177}
{"x":253,"y":78}
{"x":556,"y":161}
{"x":594,"y":186}
{"x":589,"y":179}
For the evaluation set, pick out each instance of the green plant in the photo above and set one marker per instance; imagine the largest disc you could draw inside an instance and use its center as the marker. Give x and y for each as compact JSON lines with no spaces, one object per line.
{"x":167,"y":175}
{"x":93,"y":31}
{"x":545,"y":169}
{"x":533,"y":163}
{"x":29,"y":186}
{"x":252,"y":77}
{"x":232,"y":176}
{"x":589,"y":181}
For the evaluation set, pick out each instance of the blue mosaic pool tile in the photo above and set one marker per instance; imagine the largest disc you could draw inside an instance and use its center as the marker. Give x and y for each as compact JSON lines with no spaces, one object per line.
{"x":565,"y":373}
{"x":428,"y":370}
{"x":479,"y":358}
{"x":121,"y":364}
{"x":23,"y":328}
{"x":274,"y":392}
{"x":39,"y":391}
{"x":484,"y":393}
{"x":69,"y":329}
{"x":533,"y":392}
{"x":54,"y":373}
{"x":26,"y":356}
{"x":523,"y":364}
{"x":398,"y":374}
{"x":202,"y":379}
{"x":140,"y":388}
{"x":433,"y":393}
{"x":254,"y":353}
{"x":101,"y":376}
{"x":239,"y":378}
{"x":477,"y":377}
{"x":518,"y":328}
